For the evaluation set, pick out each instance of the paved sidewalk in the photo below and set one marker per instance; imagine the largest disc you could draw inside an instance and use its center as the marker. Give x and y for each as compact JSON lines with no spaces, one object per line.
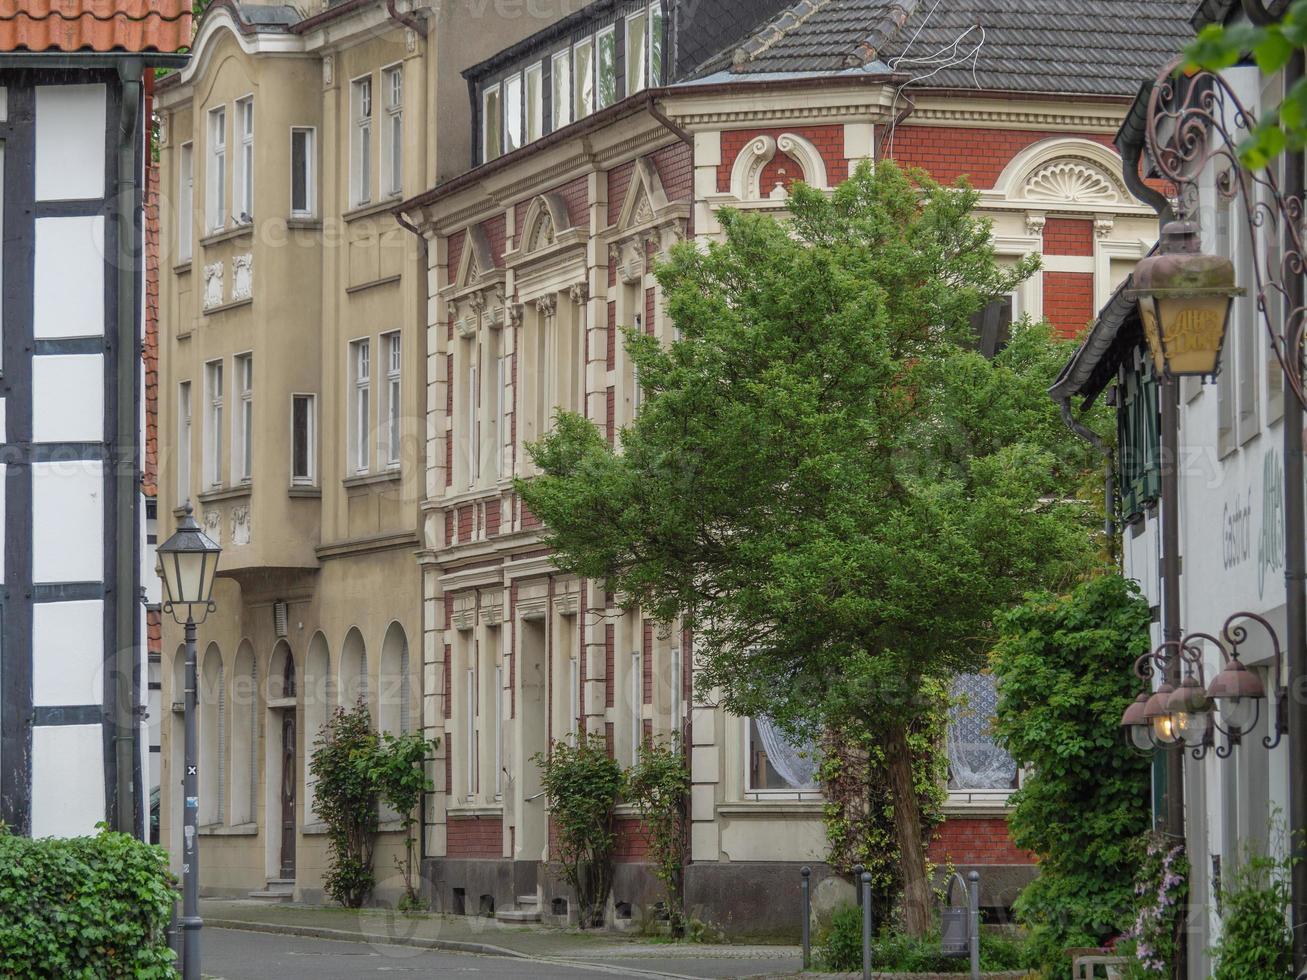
{"x":470,"y":934}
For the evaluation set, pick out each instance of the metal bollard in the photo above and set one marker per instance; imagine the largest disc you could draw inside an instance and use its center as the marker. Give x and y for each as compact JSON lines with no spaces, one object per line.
{"x":973,"y":890}
{"x":865,"y":893}
{"x":807,"y":916}
{"x":857,"y":879}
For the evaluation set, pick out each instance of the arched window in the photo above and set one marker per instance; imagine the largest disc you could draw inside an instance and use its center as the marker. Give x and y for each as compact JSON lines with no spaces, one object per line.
{"x":212,"y":697}
{"x":244,"y":735}
{"x":316,"y":690}
{"x":394,"y":711}
{"x":353,"y":683}
{"x":281,"y":673}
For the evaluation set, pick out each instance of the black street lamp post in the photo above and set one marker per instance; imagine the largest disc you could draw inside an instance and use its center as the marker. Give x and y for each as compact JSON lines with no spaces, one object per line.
{"x":188,"y":562}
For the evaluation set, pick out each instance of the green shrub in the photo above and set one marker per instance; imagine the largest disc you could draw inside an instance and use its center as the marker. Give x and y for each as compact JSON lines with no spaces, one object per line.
{"x":1255,"y":940}
{"x":840,"y":949}
{"x":658,"y":785}
{"x":84,"y":908}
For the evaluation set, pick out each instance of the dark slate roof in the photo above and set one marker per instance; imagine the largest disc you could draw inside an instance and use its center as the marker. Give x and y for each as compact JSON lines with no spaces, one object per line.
{"x":1081,"y":47}
{"x":268,"y":18}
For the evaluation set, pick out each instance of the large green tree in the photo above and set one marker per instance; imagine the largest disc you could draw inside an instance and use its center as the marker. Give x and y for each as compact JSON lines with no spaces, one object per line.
{"x":827,"y":482}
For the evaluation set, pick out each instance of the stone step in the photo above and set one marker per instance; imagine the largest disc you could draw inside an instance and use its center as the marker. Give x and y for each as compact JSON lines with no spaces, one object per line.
{"x":517,"y":915}
{"x":528,"y":901}
{"x":277,"y":890}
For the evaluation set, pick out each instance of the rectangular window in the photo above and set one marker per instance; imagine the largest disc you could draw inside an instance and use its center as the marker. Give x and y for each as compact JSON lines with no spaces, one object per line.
{"x":677,"y":693}
{"x":499,"y":731}
{"x":975,"y":760}
{"x":492,"y":125}
{"x":636,"y":711}
{"x":776,"y":764}
{"x":360,"y":359}
{"x":303,"y":440}
{"x":213,"y":424}
{"x":637,"y":392}
{"x":501,"y":379}
{"x":217,"y":176}
{"x":471,"y":732}
{"x":637,"y":38}
{"x":535,"y":103}
{"x":656,"y":31}
{"x":561,"y":88}
{"x":185,"y":200}
{"x":302,"y":178}
{"x":583,"y":62}
{"x":361,"y":182}
{"x":512,"y":113}
{"x":473,"y":427}
{"x":394,"y":84}
{"x":394,"y":408}
{"x":183,"y":442}
{"x":243,"y":451}
{"x":1138,"y":438}
{"x":245,"y":161}
{"x":574,"y":697}
{"x":607,"y":85}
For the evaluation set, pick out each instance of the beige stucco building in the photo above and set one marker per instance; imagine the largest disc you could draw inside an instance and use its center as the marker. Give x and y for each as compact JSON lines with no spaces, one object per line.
{"x":292,"y":388}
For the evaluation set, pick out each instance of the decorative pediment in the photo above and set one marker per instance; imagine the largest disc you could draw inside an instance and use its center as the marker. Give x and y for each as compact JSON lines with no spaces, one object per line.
{"x":1073,"y":181}
{"x":645,"y":199}
{"x":477,"y":258}
{"x":746,"y":173}
{"x":546,"y":217}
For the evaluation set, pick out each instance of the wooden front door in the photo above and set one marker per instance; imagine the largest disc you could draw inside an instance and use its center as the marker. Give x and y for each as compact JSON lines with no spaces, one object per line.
{"x":288,"y":774}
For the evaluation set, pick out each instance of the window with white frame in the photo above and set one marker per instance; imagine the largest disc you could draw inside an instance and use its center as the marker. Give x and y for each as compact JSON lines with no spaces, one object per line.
{"x":473,"y":422}
{"x":656,"y":29}
{"x":303,"y":440}
{"x":512,"y":113}
{"x":360,"y":429}
{"x":636,"y":707}
{"x":471,"y":729}
{"x":583,"y":73}
{"x":777,"y":763}
{"x":185,"y":200}
{"x":303,"y":179}
{"x":637,"y":51}
{"x":976,"y":761}
{"x":184,"y":442}
{"x":492,"y":123}
{"x":243,"y":450}
{"x":637,"y":391}
{"x":393,"y":80}
{"x":677,"y":693}
{"x":244,"y":176}
{"x":361,"y":149}
{"x":501,"y":406}
{"x":606,"y":84}
{"x":561,"y":86}
{"x":390,"y":346}
{"x":535,"y":103}
{"x":213,"y":424}
{"x":499,"y":731}
{"x":574,"y":695}
{"x":216,"y":182}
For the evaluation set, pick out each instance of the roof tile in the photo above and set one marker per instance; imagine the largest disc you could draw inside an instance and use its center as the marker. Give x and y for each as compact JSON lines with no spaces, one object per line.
{"x":94,"y":25}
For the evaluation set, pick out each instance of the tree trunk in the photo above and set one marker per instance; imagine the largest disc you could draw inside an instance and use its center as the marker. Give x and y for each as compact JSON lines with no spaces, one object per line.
{"x":907,"y":825}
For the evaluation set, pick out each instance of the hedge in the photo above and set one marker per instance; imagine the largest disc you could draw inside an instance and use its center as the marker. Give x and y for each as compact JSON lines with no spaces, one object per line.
{"x":84,"y":908}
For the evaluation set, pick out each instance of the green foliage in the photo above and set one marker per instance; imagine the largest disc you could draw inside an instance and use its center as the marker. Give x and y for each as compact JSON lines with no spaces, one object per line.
{"x":1161,"y":892}
{"x":1282,"y":127}
{"x":658,"y":785}
{"x":1255,"y":942}
{"x":355,"y":769}
{"x":827,"y":482}
{"x":839,"y":949}
{"x":84,"y":908}
{"x":582,"y":785}
{"x":1064,"y":670}
{"x":859,"y":810}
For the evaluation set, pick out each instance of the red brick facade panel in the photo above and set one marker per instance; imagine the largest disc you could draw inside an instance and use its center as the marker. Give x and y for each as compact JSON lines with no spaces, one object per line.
{"x":455,"y":254}
{"x":1069,"y":301}
{"x":1068,"y":236}
{"x":449,"y":385}
{"x":611,"y":362}
{"x":495,"y":229}
{"x":948,"y":153}
{"x":829,"y":141}
{"x":449,"y":773}
{"x":650,"y":319}
{"x":449,"y":458}
{"x":632,"y":845}
{"x":493,"y":515}
{"x":465,"y":523}
{"x":448,"y":685}
{"x":976,"y":841}
{"x":449,"y":527}
{"x":474,"y":837}
{"x":576,"y":195}
{"x":529,"y":520}
{"x":646,"y":662}
{"x":675,"y":166}
{"x":619,"y":183}
{"x":610,"y":678}
{"x":610,"y":420}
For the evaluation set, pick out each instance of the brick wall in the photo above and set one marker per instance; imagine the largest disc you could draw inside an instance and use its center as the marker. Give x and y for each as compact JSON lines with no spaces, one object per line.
{"x":495,"y":229}
{"x":1068,"y":236}
{"x":632,"y":844}
{"x":456,"y":241}
{"x":1069,"y":301}
{"x":829,"y":141}
{"x":475,"y":837}
{"x":675,"y":166}
{"x":619,"y":183}
{"x":465,"y":523}
{"x":976,"y":841}
{"x":980,"y":154}
{"x":492,"y":514}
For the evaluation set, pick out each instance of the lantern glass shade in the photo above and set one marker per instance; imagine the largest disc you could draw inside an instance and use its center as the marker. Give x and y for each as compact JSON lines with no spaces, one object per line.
{"x":1164,"y":730}
{"x":1238,"y":693}
{"x":1240,"y":713}
{"x":1190,"y":726}
{"x":188,"y":564}
{"x":1191,"y":331}
{"x":1141,"y":736}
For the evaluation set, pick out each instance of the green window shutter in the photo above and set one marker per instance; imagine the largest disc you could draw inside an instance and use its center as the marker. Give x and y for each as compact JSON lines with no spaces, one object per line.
{"x":1138,"y":439}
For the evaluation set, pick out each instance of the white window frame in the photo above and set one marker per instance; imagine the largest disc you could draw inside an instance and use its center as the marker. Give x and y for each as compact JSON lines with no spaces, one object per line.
{"x":961,"y":799}
{"x":362,"y":108}
{"x":392,"y":346}
{"x":360,"y":386}
{"x":533,"y":98}
{"x":244,"y":172}
{"x":607,"y":35}
{"x":392,"y":83}
{"x":492,"y":132}
{"x":746,"y":734}
{"x":677,"y":696}
{"x":185,"y":430}
{"x":581,"y":105}
{"x":514,"y":97}
{"x":657,"y":18}
{"x":310,"y":171}
{"x":501,"y":381}
{"x":309,"y":478}
{"x":243,"y":417}
{"x":641,"y":64}
{"x":499,"y":731}
{"x":560,"y":111}
{"x":216,"y":170}
{"x":637,"y":703}
{"x":574,"y":695}
{"x":470,"y":705}
{"x":185,"y":201}
{"x":213,"y":422}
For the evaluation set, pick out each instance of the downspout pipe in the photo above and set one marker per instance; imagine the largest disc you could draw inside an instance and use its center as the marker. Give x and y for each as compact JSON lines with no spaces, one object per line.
{"x":124,"y":688}
{"x":416,"y":24}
